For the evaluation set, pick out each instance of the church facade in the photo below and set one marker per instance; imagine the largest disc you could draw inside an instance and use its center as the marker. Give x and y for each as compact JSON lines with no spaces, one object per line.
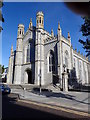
{"x":40,"y":57}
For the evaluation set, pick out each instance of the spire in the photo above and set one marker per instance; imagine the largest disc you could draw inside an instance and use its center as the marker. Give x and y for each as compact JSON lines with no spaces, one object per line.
{"x":69,"y":35}
{"x":59,"y":30}
{"x":52,"y":33}
{"x":76,"y":49}
{"x":69,"y":38}
{"x":30,"y":25}
{"x":12,"y":50}
{"x":59,"y":26}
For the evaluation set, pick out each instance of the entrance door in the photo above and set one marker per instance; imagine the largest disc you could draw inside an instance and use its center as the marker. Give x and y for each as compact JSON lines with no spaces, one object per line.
{"x":29,"y":72}
{"x":55,"y":79}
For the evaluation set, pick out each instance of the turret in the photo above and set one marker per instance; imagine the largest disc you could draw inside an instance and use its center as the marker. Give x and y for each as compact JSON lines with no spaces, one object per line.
{"x":30,"y":24}
{"x":59,"y":44}
{"x":40,"y":20}
{"x":20,"y":31}
{"x":20,"y":37}
{"x":10,"y":67}
{"x":39,"y":46}
{"x":19,"y":54}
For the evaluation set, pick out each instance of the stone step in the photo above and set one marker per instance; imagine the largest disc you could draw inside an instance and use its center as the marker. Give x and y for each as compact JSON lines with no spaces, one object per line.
{"x":53,"y":88}
{"x":22,"y":86}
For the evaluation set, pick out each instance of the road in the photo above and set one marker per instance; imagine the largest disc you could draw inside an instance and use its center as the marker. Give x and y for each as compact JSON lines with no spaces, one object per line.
{"x":14,"y":109}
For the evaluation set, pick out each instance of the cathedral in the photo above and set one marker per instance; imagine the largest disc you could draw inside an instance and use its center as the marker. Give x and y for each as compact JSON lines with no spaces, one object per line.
{"x":41,"y":57}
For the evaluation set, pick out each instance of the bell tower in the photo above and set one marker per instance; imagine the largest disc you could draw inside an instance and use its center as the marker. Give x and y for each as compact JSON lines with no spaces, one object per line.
{"x":19,"y":54}
{"x":10,"y":67}
{"x":39,"y":50}
{"x":60,"y":61}
{"x":20,"y":31}
{"x":40,"y":20}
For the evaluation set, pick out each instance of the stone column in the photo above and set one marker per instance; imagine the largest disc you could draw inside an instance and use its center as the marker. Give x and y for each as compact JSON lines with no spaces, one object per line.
{"x":65,"y":81}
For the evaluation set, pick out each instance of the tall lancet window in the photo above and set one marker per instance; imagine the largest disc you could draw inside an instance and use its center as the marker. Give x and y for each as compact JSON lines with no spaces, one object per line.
{"x":66,"y":62}
{"x":80,"y":71}
{"x":74,"y":63}
{"x":28,"y":53}
{"x":51,"y":62}
{"x":66,"y":58}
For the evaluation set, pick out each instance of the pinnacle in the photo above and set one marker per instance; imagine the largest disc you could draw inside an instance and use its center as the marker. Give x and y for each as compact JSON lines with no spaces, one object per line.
{"x":59,"y":26}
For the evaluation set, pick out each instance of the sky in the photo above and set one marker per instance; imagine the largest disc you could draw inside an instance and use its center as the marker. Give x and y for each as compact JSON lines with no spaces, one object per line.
{"x":16,"y":13}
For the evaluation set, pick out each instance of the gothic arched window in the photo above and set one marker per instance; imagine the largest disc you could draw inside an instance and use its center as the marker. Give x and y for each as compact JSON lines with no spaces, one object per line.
{"x":74,"y":62}
{"x":85,"y":76}
{"x":28,"y":53}
{"x":80,"y":70}
{"x":66,"y":62}
{"x":20,"y":31}
{"x":66,"y":58}
{"x":37,"y":21}
{"x":51,"y":62}
{"x":40,"y":19}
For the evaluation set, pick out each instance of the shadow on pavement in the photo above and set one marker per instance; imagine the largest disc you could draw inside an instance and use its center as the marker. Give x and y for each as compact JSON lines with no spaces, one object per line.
{"x":51,"y":94}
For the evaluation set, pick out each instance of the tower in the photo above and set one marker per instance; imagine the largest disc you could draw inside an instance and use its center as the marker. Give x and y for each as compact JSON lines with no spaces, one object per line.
{"x":40,"y":20}
{"x":39,"y":50}
{"x":71,"y":50}
{"x":10,"y":67}
{"x":60,"y":61}
{"x":18,"y":59}
{"x":12,"y":50}
{"x":20,"y":31}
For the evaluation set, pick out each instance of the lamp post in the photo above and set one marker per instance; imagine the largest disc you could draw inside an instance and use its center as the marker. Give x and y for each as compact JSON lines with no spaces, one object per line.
{"x":65,"y":79}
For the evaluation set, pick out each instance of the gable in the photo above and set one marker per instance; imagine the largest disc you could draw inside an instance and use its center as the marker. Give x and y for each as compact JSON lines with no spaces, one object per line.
{"x":28,"y":36}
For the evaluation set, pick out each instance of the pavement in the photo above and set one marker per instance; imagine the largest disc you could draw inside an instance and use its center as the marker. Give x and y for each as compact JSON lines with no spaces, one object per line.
{"x":78,"y":101}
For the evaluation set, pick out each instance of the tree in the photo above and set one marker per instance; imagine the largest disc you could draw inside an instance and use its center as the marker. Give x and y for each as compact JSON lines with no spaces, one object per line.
{"x":0,"y":72}
{"x":1,"y":16}
{"x":2,"y":69}
{"x":85,"y":29}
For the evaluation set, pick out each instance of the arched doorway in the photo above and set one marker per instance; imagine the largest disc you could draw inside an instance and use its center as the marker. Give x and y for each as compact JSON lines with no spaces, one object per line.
{"x":29,"y":76}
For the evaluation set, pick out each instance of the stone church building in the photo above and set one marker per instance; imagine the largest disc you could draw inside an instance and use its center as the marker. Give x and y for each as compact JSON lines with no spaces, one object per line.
{"x":40,"y":55}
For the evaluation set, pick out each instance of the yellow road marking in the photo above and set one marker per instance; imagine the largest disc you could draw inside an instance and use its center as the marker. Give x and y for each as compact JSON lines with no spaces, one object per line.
{"x":57,"y":108}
